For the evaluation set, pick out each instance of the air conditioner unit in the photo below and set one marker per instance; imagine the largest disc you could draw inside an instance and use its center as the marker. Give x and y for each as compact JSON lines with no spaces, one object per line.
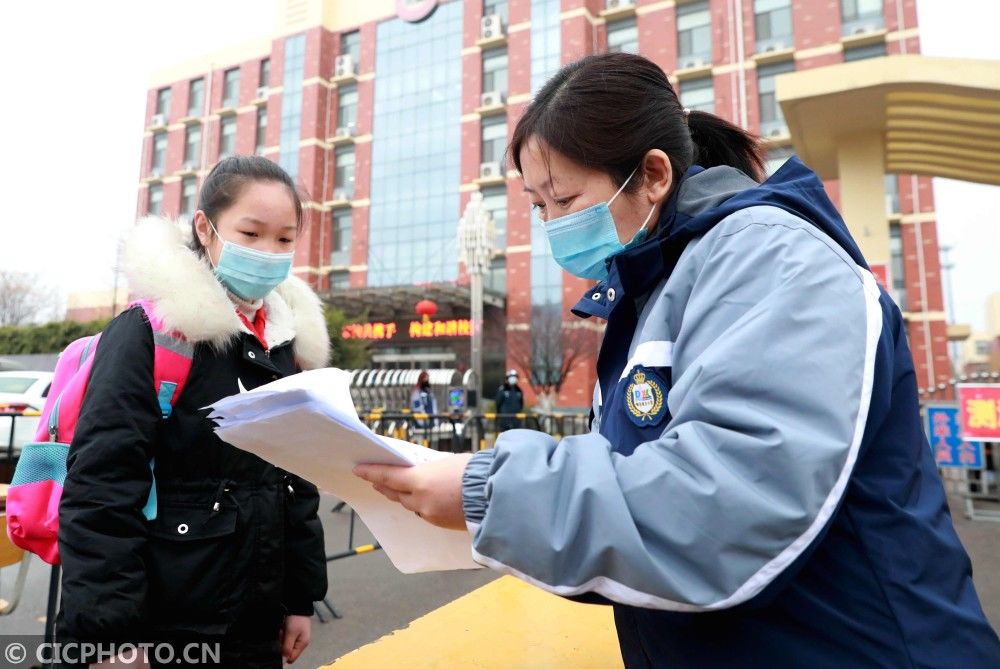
{"x":776,"y":46}
{"x":349,"y":130}
{"x":341,"y":194}
{"x":259,"y":151}
{"x":159,"y":119}
{"x":867,"y":28}
{"x":491,"y":27}
{"x":155,"y":173}
{"x":489,"y":170}
{"x":190,"y":166}
{"x":344,"y":66}
{"x":776,"y":132}
{"x":692,"y":61}
{"x":492,"y":99}
{"x":262,"y":93}
{"x":619,"y":4}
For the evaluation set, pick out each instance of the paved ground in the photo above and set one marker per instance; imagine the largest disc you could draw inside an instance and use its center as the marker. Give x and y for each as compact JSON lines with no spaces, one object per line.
{"x":374,"y":599}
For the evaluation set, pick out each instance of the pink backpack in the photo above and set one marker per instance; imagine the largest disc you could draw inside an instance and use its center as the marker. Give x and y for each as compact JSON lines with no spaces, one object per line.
{"x":35,"y":491}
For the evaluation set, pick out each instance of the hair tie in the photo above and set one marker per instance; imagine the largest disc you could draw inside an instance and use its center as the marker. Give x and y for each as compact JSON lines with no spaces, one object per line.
{"x":687,"y":112}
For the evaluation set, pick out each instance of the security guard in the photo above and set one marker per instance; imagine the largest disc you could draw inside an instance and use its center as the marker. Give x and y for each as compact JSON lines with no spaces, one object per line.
{"x":509,"y":401}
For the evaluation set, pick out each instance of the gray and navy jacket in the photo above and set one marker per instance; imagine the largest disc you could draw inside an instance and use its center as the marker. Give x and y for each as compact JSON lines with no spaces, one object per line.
{"x":756,"y":490}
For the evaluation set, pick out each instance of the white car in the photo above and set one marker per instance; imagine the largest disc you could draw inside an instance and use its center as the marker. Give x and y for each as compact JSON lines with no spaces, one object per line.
{"x":22,"y":396}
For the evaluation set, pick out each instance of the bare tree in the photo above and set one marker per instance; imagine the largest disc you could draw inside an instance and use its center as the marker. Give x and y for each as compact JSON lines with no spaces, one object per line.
{"x":23,"y":298}
{"x":549,"y":352}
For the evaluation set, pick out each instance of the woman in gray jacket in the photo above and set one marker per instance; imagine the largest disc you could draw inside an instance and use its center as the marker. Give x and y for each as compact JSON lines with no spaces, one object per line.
{"x":756,"y":490}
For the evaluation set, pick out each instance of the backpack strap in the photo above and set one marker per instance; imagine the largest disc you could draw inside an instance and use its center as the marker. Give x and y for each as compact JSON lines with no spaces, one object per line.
{"x":172,"y":357}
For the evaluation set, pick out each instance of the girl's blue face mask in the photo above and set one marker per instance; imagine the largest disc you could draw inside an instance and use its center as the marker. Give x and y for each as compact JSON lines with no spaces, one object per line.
{"x":249,"y":273}
{"x":583,"y":241}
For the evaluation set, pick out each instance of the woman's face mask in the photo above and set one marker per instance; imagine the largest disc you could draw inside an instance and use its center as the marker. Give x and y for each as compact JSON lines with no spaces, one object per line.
{"x":584,"y":240}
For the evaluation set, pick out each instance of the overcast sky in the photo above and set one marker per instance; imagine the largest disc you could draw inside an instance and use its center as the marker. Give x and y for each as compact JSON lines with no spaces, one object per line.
{"x":74,"y":103}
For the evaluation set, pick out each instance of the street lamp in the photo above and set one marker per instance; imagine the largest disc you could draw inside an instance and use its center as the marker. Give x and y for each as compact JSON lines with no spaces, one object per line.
{"x":476,"y":238}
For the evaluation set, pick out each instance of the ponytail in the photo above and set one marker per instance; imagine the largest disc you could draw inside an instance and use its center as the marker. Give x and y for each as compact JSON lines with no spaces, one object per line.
{"x":719,"y":142}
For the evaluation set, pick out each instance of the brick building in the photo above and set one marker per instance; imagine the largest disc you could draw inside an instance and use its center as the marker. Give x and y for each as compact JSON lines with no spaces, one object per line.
{"x":390,"y":114}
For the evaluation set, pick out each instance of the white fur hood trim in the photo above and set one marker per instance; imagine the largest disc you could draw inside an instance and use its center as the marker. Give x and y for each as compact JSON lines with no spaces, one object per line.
{"x":161,"y":268}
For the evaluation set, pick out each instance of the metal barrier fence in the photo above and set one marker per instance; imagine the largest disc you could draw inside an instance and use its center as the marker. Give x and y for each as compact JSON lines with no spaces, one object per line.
{"x":457,"y":433}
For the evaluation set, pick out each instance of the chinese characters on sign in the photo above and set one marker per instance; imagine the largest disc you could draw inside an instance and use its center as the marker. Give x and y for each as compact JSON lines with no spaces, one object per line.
{"x":980,"y":410}
{"x":944,"y":433}
{"x":425,"y":329}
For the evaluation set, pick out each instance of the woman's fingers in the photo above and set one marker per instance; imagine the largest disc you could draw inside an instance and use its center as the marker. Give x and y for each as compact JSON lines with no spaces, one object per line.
{"x":389,"y":477}
{"x":388,"y":492}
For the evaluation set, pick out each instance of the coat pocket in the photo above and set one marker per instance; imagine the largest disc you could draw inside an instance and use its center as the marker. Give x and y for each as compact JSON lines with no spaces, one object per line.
{"x":197,"y":567}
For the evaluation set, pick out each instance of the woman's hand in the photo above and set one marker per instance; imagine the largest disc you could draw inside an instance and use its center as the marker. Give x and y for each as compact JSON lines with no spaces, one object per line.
{"x":295,"y":637}
{"x":432,"y":490}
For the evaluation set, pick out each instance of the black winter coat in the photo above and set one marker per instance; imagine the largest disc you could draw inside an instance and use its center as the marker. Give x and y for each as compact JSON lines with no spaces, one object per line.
{"x":193,"y":570}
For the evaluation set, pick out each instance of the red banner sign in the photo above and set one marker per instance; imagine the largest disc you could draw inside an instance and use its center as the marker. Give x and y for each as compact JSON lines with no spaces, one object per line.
{"x":979,"y":407}
{"x":425,"y":329}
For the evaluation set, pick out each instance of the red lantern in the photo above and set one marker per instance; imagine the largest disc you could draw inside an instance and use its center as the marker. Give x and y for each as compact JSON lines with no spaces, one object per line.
{"x":426,"y":308}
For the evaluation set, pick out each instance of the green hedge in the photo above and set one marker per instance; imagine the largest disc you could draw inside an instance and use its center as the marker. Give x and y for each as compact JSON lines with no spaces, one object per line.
{"x":49,"y":338}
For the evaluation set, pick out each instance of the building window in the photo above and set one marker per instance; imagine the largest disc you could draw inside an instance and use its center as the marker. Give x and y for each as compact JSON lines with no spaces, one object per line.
{"x":983,"y":347}
{"x":196,"y":97}
{"x":495,"y":71}
{"x":863,"y":52}
{"x":896,"y":270}
{"x":347,"y":106}
{"x":192,"y":145}
{"x":775,"y":159}
{"x":227,"y":137}
{"x":773,"y":24}
{"x":498,"y":7}
{"x":694,"y":35}
{"x":861,"y":16}
{"x":159,"y":160}
{"x":343,"y":173}
{"x":494,"y":130}
{"x":340,"y":280}
{"x":495,"y":202}
{"x":350,"y":45}
{"x":340,"y":250}
{"x":291,"y":104}
{"x":414,"y":212}
{"x":891,"y":194}
{"x":772,"y":121}
{"x":265,"y":73}
{"x":189,"y":193}
{"x":261,"y":136}
{"x":155,"y":200}
{"x":546,"y":36}
{"x":163,"y":102}
{"x":623,"y":36}
{"x":698,"y":95}
{"x":495,"y":280}
{"x":231,"y":87}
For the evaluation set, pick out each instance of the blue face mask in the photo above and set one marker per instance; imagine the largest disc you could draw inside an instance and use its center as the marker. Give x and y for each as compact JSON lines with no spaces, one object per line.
{"x":583,"y":241}
{"x":249,"y":273}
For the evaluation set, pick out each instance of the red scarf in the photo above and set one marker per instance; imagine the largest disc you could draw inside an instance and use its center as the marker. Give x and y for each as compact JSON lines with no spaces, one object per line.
{"x":258,"y":325}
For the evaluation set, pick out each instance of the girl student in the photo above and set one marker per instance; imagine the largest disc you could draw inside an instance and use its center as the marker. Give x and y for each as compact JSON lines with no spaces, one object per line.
{"x":756,"y":489}
{"x":235,"y":553}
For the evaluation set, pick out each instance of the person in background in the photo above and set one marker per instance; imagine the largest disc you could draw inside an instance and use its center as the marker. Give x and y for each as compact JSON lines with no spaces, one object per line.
{"x":422,"y":400}
{"x":509,"y":400}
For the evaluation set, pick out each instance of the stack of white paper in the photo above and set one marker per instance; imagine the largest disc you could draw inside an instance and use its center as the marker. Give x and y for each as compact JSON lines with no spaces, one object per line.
{"x":306,"y":424}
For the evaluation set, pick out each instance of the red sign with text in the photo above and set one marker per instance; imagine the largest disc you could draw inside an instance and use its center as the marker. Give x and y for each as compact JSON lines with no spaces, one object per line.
{"x":425,"y":329}
{"x":979,"y":407}
{"x":881,"y":273}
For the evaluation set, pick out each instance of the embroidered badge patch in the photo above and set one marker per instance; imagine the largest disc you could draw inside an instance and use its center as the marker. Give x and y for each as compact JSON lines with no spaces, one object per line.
{"x":645,"y":397}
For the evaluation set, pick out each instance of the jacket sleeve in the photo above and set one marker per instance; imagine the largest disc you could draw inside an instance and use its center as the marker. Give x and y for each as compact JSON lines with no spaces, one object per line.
{"x":102,"y":532}
{"x":772,"y":374}
{"x":305,"y":552}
